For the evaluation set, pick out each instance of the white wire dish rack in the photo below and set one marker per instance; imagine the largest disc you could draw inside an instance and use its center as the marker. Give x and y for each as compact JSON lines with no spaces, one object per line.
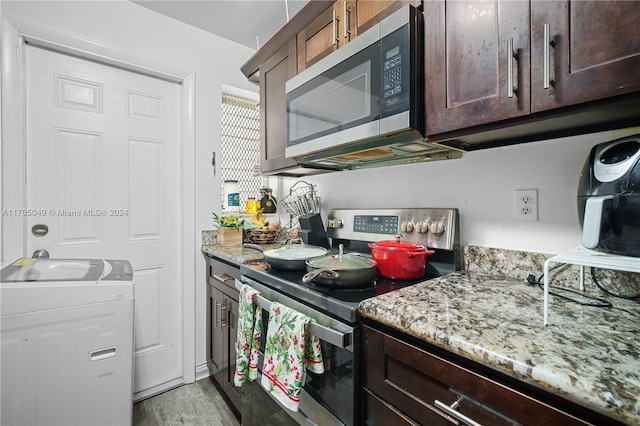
{"x":303,"y":200}
{"x":584,"y":257}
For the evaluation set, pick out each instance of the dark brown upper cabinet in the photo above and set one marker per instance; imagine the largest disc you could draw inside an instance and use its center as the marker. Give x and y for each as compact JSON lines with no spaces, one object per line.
{"x":475,"y":53}
{"x":583,"y":51}
{"x":274,"y":73}
{"x":489,"y":61}
{"x":340,"y":24}
{"x":331,"y":30}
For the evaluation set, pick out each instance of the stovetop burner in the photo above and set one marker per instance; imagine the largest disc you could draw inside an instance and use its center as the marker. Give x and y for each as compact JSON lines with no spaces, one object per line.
{"x":341,"y":302}
{"x":354,"y":229}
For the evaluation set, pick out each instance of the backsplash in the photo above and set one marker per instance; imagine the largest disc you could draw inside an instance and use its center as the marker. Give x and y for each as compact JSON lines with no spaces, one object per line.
{"x":209,"y":237}
{"x":517,"y":265}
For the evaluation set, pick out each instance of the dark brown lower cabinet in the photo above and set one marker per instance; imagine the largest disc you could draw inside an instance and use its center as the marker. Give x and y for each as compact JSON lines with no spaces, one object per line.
{"x":412,"y":384}
{"x":223,"y":319}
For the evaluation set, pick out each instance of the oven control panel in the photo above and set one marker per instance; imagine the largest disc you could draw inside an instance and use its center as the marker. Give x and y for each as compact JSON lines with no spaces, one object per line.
{"x":375,"y":224}
{"x":432,"y":227}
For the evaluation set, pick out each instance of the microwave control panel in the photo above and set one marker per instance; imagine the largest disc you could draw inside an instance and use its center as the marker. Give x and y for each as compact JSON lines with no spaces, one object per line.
{"x":394,"y":80}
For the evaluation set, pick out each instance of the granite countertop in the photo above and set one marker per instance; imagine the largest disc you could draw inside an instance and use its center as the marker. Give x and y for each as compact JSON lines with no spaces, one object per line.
{"x":587,"y":355}
{"x":237,"y":255}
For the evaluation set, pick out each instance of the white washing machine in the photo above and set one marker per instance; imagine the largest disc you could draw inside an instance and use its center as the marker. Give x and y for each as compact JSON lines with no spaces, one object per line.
{"x":67,"y":342}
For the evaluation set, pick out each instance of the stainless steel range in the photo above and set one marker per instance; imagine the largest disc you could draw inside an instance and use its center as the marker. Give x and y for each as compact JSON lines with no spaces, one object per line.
{"x":334,"y":396}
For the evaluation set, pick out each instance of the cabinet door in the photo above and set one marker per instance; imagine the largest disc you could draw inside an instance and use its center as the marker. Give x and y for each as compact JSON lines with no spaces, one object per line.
{"x":331,"y":30}
{"x":370,"y":12}
{"x":380,"y":413}
{"x":216,"y":301}
{"x":475,"y":51}
{"x":273,"y":108}
{"x":318,"y":39}
{"x":418,"y":384}
{"x":593,"y":51}
{"x":232,"y":391}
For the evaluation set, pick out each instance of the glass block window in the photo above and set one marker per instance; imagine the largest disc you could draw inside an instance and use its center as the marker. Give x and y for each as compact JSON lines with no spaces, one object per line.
{"x":240,"y":146}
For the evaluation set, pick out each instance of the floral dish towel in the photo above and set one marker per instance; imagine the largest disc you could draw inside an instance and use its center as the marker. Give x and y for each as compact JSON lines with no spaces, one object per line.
{"x":248,"y":339}
{"x":289,"y":351}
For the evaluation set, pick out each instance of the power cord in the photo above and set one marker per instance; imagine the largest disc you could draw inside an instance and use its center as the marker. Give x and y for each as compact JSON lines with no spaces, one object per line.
{"x":609,"y":292}
{"x":597,"y":301}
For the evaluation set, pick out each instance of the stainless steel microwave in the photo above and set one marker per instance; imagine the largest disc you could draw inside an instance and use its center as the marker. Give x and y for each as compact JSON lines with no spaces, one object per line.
{"x":363,"y":104}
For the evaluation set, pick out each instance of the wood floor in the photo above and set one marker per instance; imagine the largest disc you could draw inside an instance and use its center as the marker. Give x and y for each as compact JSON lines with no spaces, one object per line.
{"x":199,"y":403}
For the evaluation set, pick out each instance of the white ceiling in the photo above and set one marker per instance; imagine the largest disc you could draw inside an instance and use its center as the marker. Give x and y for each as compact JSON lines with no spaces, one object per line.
{"x":238,"y":20}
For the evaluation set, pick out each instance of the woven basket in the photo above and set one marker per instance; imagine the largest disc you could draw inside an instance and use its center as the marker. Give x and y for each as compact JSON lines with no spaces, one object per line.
{"x":262,"y":235}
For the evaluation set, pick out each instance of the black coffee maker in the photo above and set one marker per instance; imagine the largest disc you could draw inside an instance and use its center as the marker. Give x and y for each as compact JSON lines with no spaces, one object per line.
{"x":609,"y":197}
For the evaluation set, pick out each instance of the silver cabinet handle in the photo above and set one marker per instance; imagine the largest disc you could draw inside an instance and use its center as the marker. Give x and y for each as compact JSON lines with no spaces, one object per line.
{"x":345,"y":17}
{"x":335,"y":28}
{"x":451,"y":410}
{"x":220,"y":320}
{"x":217,"y":314}
{"x":510,"y":68}
{"x":224,"y":315}
{"x":222,"y":278}
{"x":546,"y":79}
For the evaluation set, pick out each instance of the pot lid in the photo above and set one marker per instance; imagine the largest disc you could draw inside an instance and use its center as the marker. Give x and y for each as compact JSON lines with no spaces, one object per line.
{"x":397,"y":245}
{"x":291,"y":252}
{"x":295,"y":253}
{"x":341,"y":261}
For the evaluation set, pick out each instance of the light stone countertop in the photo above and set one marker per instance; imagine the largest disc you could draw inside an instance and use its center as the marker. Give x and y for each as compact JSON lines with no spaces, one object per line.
{"x":237,"y":255}
{"x":587,"y":355}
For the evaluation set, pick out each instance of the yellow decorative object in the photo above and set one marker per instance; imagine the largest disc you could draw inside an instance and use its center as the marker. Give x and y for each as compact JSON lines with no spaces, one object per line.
{"x":251,"y":206}
{"x":257,"y":219}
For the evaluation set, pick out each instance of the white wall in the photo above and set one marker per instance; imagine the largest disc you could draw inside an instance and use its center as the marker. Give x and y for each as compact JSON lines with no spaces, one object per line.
{"x":127,"y":32}
{"x":481,"y":185}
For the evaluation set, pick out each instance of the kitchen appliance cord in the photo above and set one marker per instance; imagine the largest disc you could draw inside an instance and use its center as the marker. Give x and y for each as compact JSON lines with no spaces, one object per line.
{"x":597,"y":302}
{"x":609,"y":292}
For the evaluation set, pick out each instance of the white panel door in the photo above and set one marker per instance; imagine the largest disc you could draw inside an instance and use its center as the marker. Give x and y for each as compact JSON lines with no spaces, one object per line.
{"x":103,"y":174}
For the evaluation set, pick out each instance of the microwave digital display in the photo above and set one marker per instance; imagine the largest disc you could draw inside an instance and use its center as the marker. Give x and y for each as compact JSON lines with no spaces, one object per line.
{"x":393,"y":52}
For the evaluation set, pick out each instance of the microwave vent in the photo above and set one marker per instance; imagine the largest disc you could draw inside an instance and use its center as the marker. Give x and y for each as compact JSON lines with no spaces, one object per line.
{"x":367,"y":154}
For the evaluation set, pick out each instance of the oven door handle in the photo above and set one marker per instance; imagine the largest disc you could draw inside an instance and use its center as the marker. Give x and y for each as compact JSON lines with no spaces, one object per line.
{"x":330,"y":335}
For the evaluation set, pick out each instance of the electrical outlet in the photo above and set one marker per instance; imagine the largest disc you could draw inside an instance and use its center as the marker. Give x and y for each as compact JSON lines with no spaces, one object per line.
{"x":526,"y":205}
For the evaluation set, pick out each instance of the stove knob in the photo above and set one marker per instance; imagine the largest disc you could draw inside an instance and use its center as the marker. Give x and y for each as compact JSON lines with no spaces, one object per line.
{"x":406,"y":226}
{"x":422,"y":227}
{"x":335,"y":223}
{"x":437,"y":228}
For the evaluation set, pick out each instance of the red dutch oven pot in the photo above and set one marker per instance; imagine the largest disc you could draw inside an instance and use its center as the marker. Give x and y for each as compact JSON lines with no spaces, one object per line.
{"x":400,"y":260}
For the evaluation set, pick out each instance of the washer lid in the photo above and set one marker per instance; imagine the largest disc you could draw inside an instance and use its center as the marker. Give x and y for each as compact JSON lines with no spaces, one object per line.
{"x":52,"y":270}
{"x":33,"y":285}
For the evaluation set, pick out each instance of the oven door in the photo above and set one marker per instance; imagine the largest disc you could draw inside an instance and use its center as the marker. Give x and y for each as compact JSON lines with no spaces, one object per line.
{"x":335,"y":101}
{"x":331,"y":398}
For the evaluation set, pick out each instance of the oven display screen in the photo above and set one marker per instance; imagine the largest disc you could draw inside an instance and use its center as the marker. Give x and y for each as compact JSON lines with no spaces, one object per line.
{"x":376,"y":224}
